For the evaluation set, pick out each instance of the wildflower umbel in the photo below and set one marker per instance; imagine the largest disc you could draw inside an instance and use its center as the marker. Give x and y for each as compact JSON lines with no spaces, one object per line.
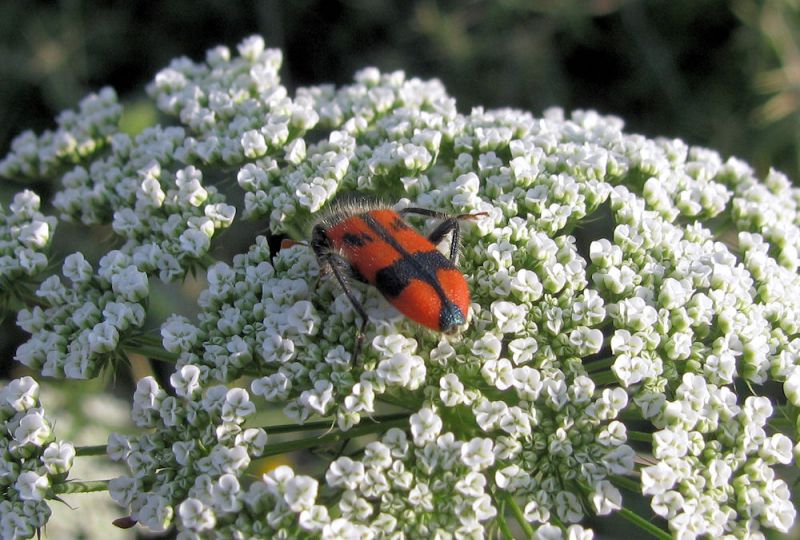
{"x":630,"y":297}
{"x":32,"y":460}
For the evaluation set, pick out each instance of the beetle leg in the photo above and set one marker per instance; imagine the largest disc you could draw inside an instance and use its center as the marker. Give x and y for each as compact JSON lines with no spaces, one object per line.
{"x":424,"y":212}
{"x":334,"y":262}
{"x":449,"y":224}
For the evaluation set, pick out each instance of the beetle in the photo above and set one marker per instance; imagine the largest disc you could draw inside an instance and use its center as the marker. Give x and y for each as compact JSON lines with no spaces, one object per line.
{"x":372,"y":243}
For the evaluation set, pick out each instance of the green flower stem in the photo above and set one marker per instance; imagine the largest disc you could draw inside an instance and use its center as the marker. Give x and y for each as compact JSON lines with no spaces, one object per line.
{"x":504,"y":528}
{"x":380,"y":422}
{"x":640,"y":436}
{"x":603,"y":377}
{"x":626,"y":483}
{"x":146,"y":340}
{"x":518,"y":515}
{"x":630,"y":415}
{"x":643,"y":524}
{"x":597,"y":365}
{"x":294,"y":232}
{"x":97,"y":450}
{"x":80,"y":487}
{"x":326,"y":424}
{"x":783,"y":425}
{"x":26,"y":293}
{"x":154,"y":353}
{"x":404,"y":402}
{"x":206,"y":261}
{"x":630,"y":515}
{"x":336,"y":436}
{"x":150,"y":347}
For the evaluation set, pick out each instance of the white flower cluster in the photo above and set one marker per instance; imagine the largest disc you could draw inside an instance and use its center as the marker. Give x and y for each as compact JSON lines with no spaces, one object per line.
{"x":165,"y":214}
{"x":81,"y":325}
{"x":187,"y":467}
{"x":668,"y":298}
{"x":432,"y":485}
{"x":25,"y":235}
{"x":255,"y":317}
{"x":31,"y":460}
{"x":713,"y":472}
{"x":408,"y":116}
{"x":439,"y":483}
{"x":235,"y":108}
{"x":80,"y":134}
{"x":237,"y":111}
{"x":613,"y":278}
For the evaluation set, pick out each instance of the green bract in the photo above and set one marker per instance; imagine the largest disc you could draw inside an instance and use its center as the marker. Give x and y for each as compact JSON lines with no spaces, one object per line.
{"x":634,"y":302}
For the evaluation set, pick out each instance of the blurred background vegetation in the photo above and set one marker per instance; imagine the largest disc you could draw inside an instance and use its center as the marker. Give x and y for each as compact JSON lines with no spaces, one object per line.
{"x":721,"y":74}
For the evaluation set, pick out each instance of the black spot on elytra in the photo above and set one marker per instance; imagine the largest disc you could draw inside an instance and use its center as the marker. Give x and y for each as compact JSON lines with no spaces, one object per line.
{"x":357,"y":240}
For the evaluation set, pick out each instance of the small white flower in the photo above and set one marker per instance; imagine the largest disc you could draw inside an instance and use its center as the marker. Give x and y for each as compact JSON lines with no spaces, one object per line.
{"x":606,"y":498}
{"x":118,"y":447}
{"x":568,"y":507}
{"x":527,"y":382}
{"x":186,"y":381}
{"x":103,"y":338}
{"x":123,"y":489}
{"x":510,"y":317}
{"x":791,"y":387}
{"x":402,"y":370}
{"x":300,"y":493}
{"x":314,"y":518}
{"x":254,"y":144}
{"x":451,"y":390}
{"x":777,"y":449}
{"x":277,"y":349}
{"x":33,"y":429}
{"x":478,"y":453}
{"x":302,"y":318}
{"x":421,"y":497}
{"x":178,"y":335}
{"x":658,"y":478}
{"x":522,"y":349}
{"x":58,"y":457}
{"x":130,"y":284}
{"x":220,"y":214}
{"x":548,"y":532}
{"x":224,"y":494}
{"x":190,"y":188}
{"x":320,"y":399}
{"x":20,"y":394}
{"x":156,"y":513}
{"x":31,"y":486}
{"x":34,"y":235}
{"x":194,"y":243}
{"x":488,"y":347}
{"x":276,"y":387}
{"x":237,"y":405}
{"x":425,"y":426}
{"x":488,"y":414}
{"x":196,"y":516}
{"x":361,"y":398}
{"x":345,"y":472}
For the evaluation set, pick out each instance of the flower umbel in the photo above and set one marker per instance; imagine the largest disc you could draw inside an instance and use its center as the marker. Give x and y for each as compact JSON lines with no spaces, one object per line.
{"x":33,"y":461}
{"x":635,"y":302}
